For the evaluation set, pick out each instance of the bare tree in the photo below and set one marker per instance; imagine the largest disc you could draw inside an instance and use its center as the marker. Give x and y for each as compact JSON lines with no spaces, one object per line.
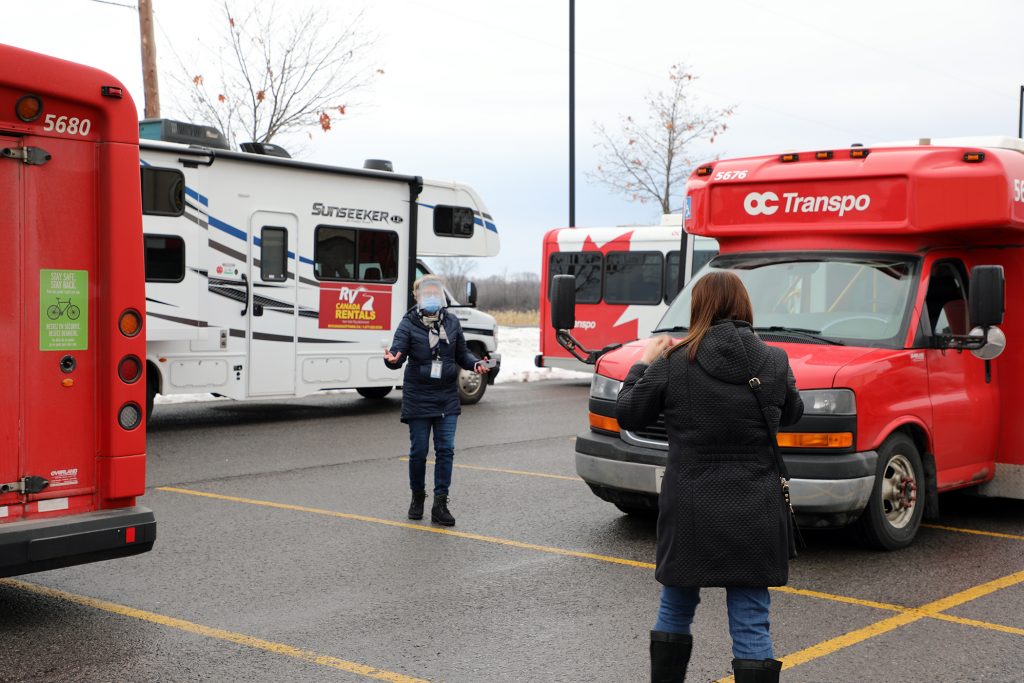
{"x":649,"y":160}
{"x":278,"y":74}
{"x":455,"y":270}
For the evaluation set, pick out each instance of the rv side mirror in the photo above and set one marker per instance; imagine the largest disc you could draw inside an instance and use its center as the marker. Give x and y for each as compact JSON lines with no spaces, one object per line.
{"x":988,"y":291}
{"x":563,"y":302}
{"x":471,"y":294}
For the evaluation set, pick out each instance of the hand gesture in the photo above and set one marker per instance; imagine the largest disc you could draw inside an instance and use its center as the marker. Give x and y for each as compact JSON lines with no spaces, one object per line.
{"x":480,"y":368}
{"x":655,"y":347}
{"x":391,"y":358}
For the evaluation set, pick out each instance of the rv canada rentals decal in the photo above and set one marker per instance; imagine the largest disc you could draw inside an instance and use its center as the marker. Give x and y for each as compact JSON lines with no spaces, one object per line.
{"x":360,"y":215}
{"x":352,"y":306}
{"x":767,"y":203}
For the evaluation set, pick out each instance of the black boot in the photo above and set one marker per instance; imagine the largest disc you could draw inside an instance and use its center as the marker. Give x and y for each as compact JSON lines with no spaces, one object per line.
{"x":670,"y":653}
{"x":439,"y":513}
{"x":416,"y":506}
{"x":756,"y":670}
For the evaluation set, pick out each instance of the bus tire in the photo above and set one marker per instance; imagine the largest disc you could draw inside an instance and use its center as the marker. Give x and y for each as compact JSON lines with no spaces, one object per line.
{"x":894,"y":512}
{"x":376,"y":393}
{"x":472,"y":387}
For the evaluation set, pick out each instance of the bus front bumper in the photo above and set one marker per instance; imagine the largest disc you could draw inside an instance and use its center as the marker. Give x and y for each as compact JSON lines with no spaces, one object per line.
{"x":38,"y":545}
{"x":827,"y":490}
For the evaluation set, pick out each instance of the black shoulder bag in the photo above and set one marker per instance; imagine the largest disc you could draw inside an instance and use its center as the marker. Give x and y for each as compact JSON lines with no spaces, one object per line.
{"x":795,"y":539}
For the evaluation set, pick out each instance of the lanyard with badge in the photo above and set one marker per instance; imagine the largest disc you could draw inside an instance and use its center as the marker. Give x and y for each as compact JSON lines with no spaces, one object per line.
{"x":436,"y":364}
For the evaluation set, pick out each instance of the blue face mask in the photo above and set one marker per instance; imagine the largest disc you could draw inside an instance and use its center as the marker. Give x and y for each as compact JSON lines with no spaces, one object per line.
{"x":431,"y":304}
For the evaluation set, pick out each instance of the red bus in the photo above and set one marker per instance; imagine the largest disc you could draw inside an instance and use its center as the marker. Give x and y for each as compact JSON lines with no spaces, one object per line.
{"x":883,"y":273}
{"x":72,"y":423}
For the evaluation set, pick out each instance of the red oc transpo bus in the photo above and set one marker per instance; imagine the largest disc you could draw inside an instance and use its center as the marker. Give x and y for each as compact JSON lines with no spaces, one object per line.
{"x":883,"y":272}
{"x":72,"y":427}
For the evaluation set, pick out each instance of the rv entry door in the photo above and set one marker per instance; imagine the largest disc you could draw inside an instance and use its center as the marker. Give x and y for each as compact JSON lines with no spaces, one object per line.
{"x":273,"y":267}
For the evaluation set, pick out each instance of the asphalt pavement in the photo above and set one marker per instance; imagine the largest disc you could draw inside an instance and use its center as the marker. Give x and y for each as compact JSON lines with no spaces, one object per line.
{"x":283,"y":553}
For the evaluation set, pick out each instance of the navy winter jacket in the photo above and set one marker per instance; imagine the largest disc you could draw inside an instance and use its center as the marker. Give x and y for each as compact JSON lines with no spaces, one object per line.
{"x":423,"y":397}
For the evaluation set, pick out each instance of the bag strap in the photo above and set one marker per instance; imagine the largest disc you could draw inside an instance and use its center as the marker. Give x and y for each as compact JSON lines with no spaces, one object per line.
{"x":755,"y":385}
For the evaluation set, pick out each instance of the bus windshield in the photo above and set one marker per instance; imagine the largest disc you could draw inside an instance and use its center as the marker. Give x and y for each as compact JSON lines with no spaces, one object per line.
{"x":819,"y":298}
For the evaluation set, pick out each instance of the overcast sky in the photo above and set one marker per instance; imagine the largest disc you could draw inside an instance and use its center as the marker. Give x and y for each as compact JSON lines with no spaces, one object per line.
{"x":478,"y":91}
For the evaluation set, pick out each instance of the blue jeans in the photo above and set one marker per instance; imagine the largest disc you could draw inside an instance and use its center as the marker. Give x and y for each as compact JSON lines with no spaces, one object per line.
{"x":748,"y":617}
{"x":444,"y":452}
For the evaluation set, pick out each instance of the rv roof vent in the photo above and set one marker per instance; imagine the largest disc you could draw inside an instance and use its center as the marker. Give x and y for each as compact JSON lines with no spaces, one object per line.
{"x":266,"y":149}
{"x":185,"y":133}
{"x":379,"y":165}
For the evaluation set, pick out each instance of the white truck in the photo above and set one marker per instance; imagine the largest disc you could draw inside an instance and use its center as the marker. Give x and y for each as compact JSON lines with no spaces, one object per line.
{"x":268,"y":277}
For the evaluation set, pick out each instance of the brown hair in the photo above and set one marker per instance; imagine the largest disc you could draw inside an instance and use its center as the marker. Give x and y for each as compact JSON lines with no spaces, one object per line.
{"x":719,"y":295}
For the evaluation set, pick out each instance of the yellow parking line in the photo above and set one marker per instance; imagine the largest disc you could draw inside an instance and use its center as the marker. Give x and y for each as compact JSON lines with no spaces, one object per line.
{"x":572,"y":553}
{"x":415,"y":527}
{"x":526,"y":473}
{"x":978,"y":532}
{"x":219,"y":634}
{"x":928,"y":610}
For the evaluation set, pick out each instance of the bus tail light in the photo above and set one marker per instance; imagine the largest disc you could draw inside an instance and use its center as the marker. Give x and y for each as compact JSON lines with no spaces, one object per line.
{"x":28,"y":108}
{"x":815,"y":440}
{"x":129,"y":369}
{"x":604,"y":423}
{"x":130,"y":323}
{"x":129,"y":416}
{"x":129,"y":535}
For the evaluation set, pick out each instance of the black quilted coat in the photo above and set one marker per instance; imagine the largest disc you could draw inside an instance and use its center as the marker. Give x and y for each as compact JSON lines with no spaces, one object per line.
{"x":722,"y":520}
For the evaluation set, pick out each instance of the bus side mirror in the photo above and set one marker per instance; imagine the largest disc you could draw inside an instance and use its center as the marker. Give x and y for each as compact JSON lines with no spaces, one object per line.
{"x":988,"y":291}
{"x":563,"y":302}
{"x":471,"y":294}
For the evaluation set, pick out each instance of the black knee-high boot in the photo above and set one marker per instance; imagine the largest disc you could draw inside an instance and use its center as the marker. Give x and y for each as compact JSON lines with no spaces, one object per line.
{"x":670,"y":654}
{"x":756,"y":670}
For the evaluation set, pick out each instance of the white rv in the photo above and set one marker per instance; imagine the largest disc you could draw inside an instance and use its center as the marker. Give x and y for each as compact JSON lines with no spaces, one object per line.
{"x":268,"y":277}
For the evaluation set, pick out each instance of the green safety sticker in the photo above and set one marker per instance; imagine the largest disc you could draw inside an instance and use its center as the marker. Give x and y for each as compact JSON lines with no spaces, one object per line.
{"x":63,"y":310}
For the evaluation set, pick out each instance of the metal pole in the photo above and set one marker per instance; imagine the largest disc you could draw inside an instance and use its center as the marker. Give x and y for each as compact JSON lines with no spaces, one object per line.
{"x":150,"y":85}
{"x":1020,"y":115}
{"x":572,"y":113}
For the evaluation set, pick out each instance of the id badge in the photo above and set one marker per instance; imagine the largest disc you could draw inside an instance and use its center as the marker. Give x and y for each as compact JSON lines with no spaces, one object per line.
{"x":435,"y":370}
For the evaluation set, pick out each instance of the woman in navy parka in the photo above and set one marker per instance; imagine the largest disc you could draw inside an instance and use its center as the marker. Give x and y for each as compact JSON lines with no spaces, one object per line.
{"x":431,"y":345}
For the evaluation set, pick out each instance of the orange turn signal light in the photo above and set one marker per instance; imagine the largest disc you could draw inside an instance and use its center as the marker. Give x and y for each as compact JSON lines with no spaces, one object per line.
{"x":974,"y":157}
{"x":821,"y":156}
{"x":130,"y":323}
{"x":814,"y":440}
{"x":704,"y":170}
{"x":859,"y":153}
{"x":603,"y":422}
{"x":28,"y":108}
{"x":792,"y":156}
{"x":67,"y":382}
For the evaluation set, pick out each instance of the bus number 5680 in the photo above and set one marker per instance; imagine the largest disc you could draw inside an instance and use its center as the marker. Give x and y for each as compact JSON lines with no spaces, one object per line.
{"x":70,"y":125}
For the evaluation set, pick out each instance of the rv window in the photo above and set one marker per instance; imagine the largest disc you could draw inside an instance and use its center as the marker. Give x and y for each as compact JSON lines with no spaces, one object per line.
{"x":633,"y":277}
{"x":165,"y":258}
{"x":350,"y":254}
{"x":586,"y":266}
{"x":671,"y":275}
{"x":273,"y":254}
{"x":163,"y":191}
{"x":453,"y":221}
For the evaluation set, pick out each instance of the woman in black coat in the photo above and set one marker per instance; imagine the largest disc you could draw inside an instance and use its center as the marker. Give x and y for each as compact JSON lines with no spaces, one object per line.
{"x":722,"y":517}
{"x":432,"y":343}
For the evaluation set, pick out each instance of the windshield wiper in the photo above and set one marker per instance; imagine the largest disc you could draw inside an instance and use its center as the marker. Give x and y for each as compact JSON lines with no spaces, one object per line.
{"x":677,"y":328}
{"x":800,"y":332}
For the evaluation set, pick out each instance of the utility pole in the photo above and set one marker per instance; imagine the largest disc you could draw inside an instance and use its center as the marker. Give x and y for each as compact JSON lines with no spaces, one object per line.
{"x":1020,"y":115}
{"x":572,"y":113}
{"x":149,"y":76}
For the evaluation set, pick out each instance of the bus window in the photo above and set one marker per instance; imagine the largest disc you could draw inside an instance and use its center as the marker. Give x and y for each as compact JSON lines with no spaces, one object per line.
{"x":672,"y":261}
{"x":334,"y":254}
{"x":163,"y":191}
{"x":633,"y":277}
{"x":378,"y":255}
{"x":586,"y":266}
{"x":165,"y":258}
{"x":349,"y":254}
{"x":273,"y":254}
{"x":453,"y":221}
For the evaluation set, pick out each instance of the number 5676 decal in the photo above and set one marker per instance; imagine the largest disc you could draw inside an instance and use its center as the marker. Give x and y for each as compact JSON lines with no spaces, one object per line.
{"x":71,"y":125}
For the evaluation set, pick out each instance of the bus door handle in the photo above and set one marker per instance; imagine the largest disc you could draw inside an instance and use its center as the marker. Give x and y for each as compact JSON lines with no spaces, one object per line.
{"x":245,"y":281}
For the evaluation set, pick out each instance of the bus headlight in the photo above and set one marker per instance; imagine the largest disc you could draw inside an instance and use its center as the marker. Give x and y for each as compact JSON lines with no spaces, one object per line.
{"x":604,"y":387}
{"x":829,"y":402}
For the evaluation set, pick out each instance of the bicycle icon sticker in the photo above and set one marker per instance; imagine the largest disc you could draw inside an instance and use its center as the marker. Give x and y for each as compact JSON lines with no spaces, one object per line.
{"x":61,"y":308}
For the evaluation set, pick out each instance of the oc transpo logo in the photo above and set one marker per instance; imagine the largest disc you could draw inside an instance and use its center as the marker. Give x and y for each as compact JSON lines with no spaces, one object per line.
{"x":767,"y":203}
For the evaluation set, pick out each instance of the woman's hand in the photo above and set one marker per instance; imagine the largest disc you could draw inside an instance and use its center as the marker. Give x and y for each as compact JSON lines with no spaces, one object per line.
{"x":655,"y":347}
{"x":480,"y":368}
{"x":391,"y":359}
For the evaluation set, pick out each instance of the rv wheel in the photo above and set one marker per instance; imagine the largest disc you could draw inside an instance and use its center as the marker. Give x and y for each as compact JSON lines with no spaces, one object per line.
{"x":150,"y":395}
{"x":893,"y":514}
{"x":374,"y":392}
{"x":471,"y":387}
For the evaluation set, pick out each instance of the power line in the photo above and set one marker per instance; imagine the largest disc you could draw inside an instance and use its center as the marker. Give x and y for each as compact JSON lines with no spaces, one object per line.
{"x":116,"y":4}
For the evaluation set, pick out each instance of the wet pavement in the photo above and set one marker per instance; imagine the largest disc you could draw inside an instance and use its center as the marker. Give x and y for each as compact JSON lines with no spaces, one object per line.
{"x":283,"y":553}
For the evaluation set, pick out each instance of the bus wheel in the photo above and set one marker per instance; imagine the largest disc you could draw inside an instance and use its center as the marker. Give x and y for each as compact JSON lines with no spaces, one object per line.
{"x":894,"y":513}
{"x":374,"y":392}
{"x":471,"y":387}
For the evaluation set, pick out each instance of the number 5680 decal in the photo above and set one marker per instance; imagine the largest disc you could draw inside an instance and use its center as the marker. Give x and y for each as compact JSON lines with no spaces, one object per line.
{"x":72,"y":125}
